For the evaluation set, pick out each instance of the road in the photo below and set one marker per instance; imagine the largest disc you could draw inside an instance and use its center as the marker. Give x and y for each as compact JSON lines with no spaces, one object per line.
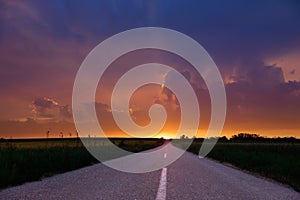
{"x":187,"y":178}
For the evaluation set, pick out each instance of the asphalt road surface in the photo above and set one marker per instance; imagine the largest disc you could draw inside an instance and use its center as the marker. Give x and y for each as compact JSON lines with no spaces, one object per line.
{"x":187,"y":178}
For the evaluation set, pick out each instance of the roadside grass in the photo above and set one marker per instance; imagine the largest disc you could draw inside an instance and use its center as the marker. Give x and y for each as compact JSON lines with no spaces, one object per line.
{"x":29,"y":160}
{"x":278,"y":161}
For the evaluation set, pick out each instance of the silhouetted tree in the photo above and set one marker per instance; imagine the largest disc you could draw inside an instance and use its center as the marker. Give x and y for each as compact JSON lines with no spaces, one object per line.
{"x":223,"y":139}
{"x":248,"y":137}
{"x":184,"y":137}
{"x":47,"y":134}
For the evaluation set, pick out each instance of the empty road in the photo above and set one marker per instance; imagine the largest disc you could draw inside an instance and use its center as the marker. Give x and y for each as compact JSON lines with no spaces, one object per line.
{"x":187,"y":178}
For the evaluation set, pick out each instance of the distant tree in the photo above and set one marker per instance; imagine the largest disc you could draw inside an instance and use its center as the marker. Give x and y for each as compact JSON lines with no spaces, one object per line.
{"x":184,"y":136}
{"x":223,"y":139}
{"x":47,"y":134}
{"x":246,"y":137}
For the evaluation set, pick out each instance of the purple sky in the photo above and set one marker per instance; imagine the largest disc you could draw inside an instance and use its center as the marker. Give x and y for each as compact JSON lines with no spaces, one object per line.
{"x":255,"y":44}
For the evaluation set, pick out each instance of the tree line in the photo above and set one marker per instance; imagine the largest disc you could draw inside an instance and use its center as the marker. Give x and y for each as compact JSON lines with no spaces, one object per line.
{"x":250,"y":137}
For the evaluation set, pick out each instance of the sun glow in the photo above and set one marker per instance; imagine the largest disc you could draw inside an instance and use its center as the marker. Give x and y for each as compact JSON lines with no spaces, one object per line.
{"x":166,"y":137}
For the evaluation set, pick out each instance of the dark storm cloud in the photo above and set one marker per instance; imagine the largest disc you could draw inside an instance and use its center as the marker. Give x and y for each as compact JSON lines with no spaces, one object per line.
{"x":266,"y":75}
{"x":50,"y":109}
{"x":45,"y":103}
{"x":262,"y":98}
{"x":233,"y":32}
{"x":44,"y":107}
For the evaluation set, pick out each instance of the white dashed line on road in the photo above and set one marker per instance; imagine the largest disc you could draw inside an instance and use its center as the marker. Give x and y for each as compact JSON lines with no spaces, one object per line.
{"x":162,"y":189}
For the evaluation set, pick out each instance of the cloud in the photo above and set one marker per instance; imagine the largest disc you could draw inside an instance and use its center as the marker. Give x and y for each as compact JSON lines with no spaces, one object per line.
{"x":168,"y":99}
{"x":262,"y":99}
{"x":289,"y":62}
{"x":65,"y":111}
{"x":187,"y":75}
{"x":265,"y":76}
{"x":45,"y":102}
{"x":45,"y":108}
{"x":102,"y":108}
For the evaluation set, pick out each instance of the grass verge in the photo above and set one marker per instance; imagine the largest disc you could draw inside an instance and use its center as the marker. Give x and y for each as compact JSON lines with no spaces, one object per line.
{"x":278,"y":161}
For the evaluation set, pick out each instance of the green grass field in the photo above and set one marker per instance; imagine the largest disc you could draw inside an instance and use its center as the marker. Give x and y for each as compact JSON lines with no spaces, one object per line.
{"x":278,"y":161}
{"x":28,"y":160}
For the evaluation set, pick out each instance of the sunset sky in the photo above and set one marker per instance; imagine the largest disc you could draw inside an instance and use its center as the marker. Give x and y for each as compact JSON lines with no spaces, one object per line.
{"x":255,"y":44}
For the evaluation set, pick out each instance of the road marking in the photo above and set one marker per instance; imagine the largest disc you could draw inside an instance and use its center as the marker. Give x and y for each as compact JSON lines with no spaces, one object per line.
{"x":162,"y":189}
{"x":165,"y":155}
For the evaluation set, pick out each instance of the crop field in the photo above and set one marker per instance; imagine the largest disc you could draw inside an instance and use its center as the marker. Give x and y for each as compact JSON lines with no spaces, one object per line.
{"x":278,"y":161}
{"x":32,"y":159}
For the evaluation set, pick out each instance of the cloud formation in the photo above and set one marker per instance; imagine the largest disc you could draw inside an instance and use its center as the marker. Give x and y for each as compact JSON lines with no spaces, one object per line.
{"x":45,"y":108}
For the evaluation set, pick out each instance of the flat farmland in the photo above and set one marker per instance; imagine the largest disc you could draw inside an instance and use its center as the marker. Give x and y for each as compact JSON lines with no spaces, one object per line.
{"x":279,"y":161}
{"x":33,"y":159}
